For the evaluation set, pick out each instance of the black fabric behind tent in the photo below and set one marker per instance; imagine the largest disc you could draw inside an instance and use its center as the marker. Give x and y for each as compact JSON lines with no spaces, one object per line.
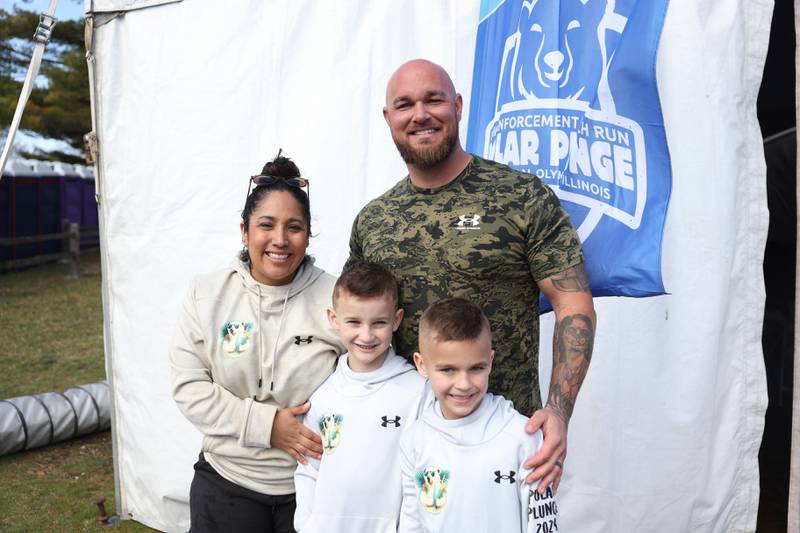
{"x":776,"y":114}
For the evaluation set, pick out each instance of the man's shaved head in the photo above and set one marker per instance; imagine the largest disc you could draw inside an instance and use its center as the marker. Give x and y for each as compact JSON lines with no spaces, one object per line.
{"x":414,"y":70}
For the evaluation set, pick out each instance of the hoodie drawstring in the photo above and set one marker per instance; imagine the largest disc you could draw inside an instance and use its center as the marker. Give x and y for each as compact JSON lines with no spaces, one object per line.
{"x":277,"y":341}
{"x":278,"y":338}
{"x":260,"y":342}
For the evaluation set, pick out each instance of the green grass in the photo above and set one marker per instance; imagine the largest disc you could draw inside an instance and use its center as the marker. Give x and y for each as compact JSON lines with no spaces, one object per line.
{"x":52,"y":328}
{"x":51,"y":333}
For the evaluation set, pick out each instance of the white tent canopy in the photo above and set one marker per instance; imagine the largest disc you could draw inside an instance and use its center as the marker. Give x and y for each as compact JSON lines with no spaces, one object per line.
{"x":192,"y":97}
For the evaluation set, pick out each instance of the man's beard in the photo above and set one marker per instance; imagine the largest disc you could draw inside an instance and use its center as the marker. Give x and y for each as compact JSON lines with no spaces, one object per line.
{"x":426,"y":157}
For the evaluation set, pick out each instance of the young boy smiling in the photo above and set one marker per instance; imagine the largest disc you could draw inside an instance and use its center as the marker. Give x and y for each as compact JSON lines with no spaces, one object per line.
{"x":462,"y":461}
{"x":360,"y":412}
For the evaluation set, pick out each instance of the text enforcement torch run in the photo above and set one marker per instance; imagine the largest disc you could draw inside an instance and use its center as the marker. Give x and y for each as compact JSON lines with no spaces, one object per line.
{"x":566,"y":91}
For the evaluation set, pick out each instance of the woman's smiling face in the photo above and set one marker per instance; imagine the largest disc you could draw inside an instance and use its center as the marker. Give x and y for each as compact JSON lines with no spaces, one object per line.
{"x":276,"y":239}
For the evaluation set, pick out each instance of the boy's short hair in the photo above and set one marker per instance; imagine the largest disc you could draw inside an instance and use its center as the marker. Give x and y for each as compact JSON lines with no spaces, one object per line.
{"x":365,"y":279}
{"x":453,"y":319}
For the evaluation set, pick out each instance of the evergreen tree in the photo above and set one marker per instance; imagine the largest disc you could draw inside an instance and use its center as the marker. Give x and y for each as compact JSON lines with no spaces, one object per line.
{"x":59,"y":104}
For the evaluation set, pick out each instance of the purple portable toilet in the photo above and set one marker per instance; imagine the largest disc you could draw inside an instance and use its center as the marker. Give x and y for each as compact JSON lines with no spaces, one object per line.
{"x":46,"y":218}
{"x":78,"y":202}
{"x":36,"y":196}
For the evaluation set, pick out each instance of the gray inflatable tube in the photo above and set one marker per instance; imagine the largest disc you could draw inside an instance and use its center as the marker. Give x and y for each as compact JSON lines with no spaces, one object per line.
{"x":28,"y":422}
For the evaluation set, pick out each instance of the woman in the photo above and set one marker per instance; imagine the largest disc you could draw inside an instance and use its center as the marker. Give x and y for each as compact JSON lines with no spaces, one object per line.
{"x":252,"y":343}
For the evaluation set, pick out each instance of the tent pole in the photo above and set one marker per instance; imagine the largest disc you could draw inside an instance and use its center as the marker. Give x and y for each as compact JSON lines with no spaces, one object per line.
{"x":793,"y":518}
{"x":93,"y":154}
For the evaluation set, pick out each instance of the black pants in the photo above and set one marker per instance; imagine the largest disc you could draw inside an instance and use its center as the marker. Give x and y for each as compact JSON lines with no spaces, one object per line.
{"x":217,"y":505}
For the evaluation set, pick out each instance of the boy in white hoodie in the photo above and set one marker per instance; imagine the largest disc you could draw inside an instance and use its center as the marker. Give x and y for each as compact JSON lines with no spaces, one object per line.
{"x":360,"y":412}
{"x":462,"y":461}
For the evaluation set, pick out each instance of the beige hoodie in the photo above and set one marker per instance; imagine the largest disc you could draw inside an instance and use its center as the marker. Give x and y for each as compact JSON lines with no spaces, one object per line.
{"x":242,"y":350}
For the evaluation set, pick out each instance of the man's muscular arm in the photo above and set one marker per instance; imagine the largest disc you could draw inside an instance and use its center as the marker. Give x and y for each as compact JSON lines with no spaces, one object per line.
{"x":573,"y":339}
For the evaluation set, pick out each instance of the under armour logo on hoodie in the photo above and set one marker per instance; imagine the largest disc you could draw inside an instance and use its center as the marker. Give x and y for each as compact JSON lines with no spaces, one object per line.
{"x":298,"y":340}
{"x":386,"y":421}
{"x":500,"y":477}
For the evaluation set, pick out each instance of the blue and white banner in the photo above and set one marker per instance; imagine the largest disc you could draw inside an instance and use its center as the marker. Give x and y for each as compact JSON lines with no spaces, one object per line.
{"x":566,"y":90}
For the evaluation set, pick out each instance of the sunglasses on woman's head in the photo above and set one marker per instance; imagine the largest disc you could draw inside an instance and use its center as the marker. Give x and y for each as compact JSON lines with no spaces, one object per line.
{"x":264,"y":179}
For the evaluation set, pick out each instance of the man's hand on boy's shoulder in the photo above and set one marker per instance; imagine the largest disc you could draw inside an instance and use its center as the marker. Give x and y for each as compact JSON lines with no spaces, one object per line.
{"x":548,"y":462}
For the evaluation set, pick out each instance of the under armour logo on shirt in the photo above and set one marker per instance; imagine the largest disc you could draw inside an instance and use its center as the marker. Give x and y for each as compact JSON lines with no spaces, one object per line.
{"x":298,"y":340}
{"x":393,"y":421}
{"x":500,"y":477}
{"x":471,"y":221}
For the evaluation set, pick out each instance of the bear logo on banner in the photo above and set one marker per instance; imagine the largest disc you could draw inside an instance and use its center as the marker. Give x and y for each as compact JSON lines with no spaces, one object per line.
{"x":566,"y":90}
{"x":549,"y":73}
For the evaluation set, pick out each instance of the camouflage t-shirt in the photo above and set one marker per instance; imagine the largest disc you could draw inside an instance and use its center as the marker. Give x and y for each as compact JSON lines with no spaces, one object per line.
{"x":488,"y":236}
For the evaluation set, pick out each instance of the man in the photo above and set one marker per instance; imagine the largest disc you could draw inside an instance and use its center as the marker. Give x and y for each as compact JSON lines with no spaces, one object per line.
{"x":460,"y":225}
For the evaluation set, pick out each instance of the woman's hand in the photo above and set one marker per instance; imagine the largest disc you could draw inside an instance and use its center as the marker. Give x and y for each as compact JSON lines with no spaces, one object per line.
{"x":293,"y":437}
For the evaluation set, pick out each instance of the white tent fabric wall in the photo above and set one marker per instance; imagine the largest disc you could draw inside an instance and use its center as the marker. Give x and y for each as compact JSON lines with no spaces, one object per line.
{"x":190,"y":101}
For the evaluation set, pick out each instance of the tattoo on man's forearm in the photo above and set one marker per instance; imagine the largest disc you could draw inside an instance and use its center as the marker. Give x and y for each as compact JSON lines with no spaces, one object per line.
{"x":572,"y":352}
{"x":573,"y":279}
{"x":560,"y":403}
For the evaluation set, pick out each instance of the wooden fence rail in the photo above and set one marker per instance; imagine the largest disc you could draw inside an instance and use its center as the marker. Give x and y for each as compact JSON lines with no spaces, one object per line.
{"x":70,"y":249}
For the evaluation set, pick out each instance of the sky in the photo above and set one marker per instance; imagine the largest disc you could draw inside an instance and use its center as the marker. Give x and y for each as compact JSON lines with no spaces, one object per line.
{"x":65,"y":10}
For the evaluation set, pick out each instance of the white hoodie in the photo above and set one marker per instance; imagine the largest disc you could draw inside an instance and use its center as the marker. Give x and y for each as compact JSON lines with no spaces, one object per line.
{"x":355,"y":488}
{"x":242,"y":350}
{"x":466,"y":474}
